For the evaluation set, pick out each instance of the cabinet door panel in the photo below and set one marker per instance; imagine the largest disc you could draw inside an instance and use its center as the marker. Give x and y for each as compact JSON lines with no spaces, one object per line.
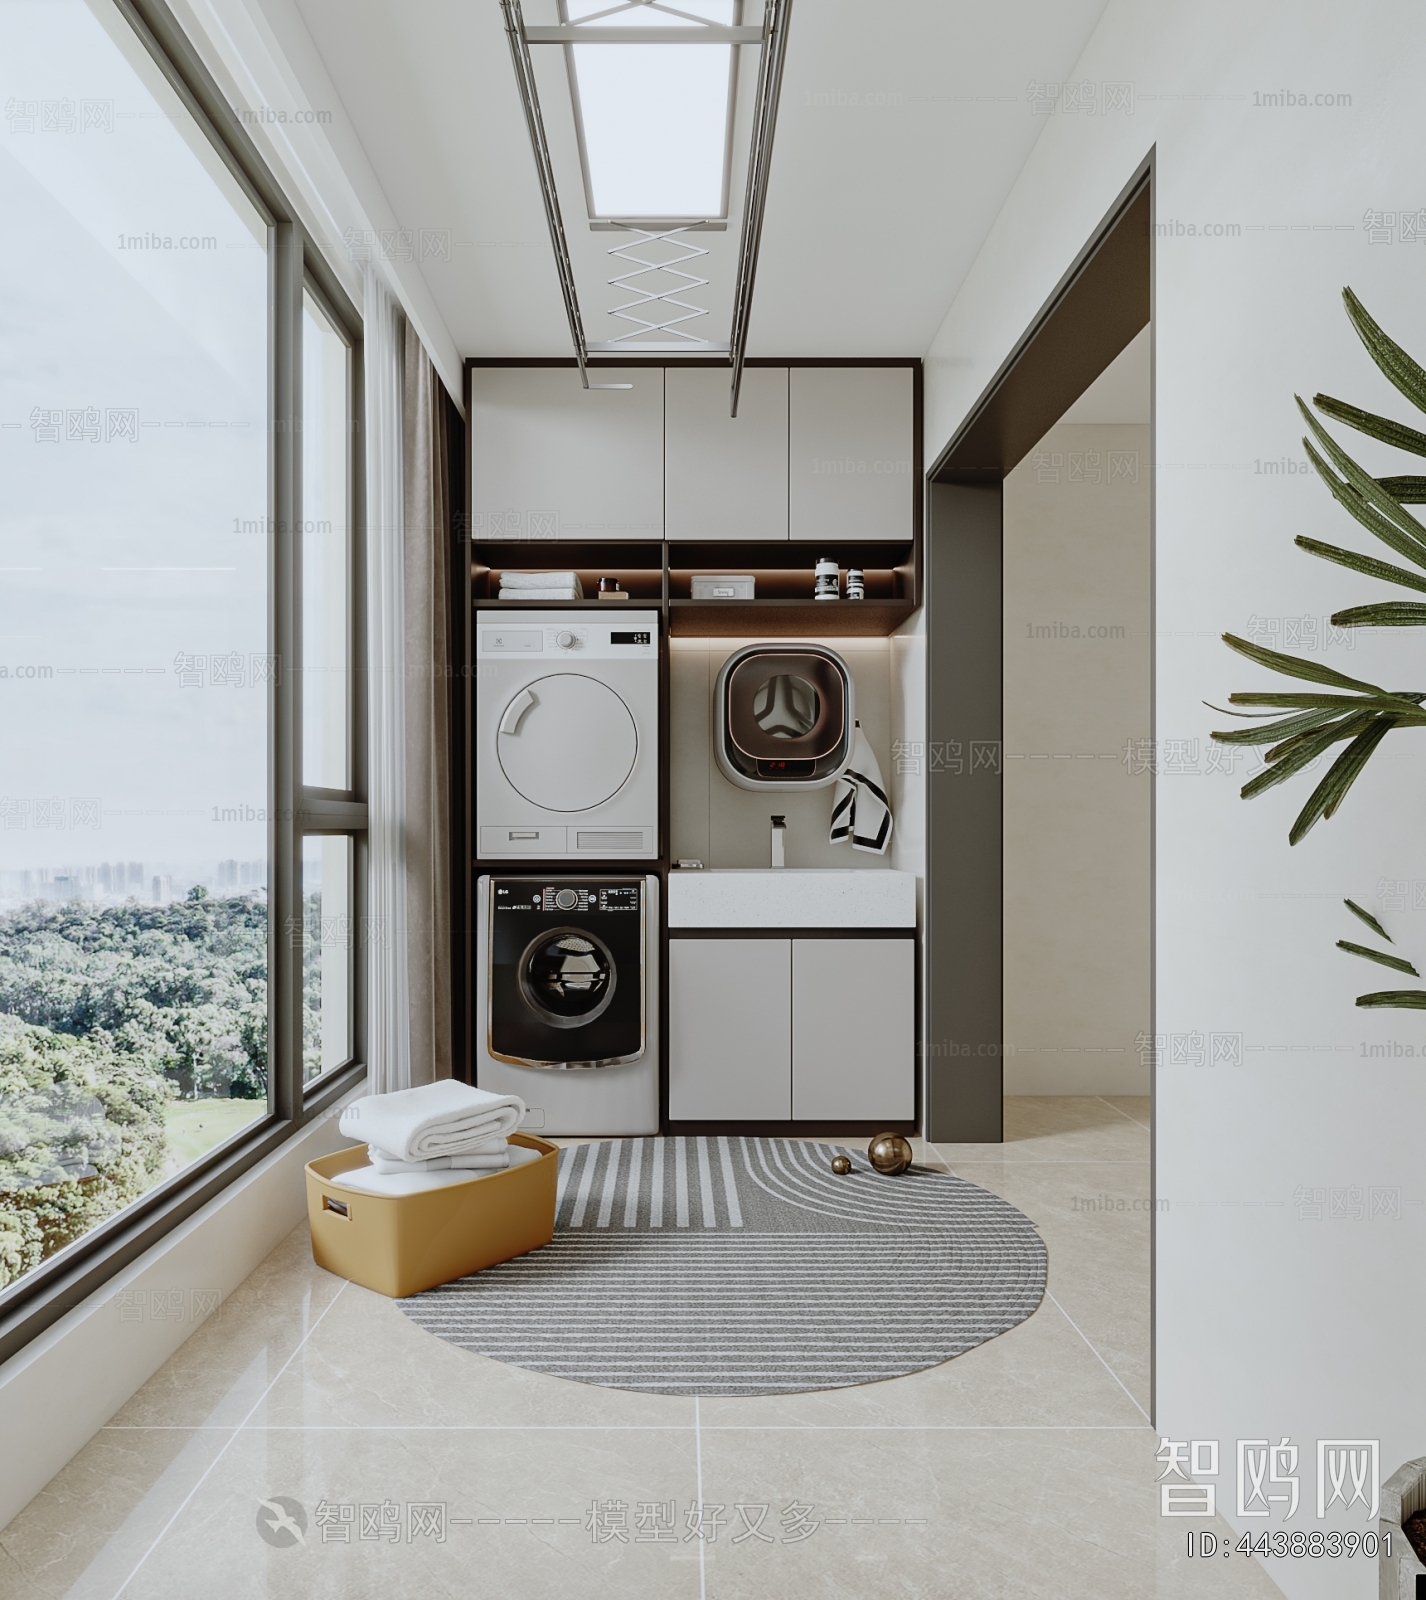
{"x":725,"y":477}
{"x":850,"y":437}
{"x":554,"y":461}
{"x":853,"y":1029}
{"x":730,"y":1029}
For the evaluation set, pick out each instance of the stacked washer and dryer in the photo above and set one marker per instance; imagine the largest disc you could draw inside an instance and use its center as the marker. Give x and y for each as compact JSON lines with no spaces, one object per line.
{"x":567,"y":769}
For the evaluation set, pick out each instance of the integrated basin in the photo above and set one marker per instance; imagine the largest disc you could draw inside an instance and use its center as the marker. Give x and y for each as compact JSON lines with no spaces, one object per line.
{"x":791,"y":897}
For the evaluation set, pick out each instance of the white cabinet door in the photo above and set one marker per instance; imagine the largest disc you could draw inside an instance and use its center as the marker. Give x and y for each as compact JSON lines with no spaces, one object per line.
{"x":853,"y":1029}
{"x":730,"y":1030}
{"x":550,"y":460}
{"x":850,"y":437}
{"x":725,"y":477}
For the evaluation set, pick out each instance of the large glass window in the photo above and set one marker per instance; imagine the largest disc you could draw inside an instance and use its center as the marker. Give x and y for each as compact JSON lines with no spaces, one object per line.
{"x":143,"y":679}
{"x":327,"y":947}
{"x":326,"y":551}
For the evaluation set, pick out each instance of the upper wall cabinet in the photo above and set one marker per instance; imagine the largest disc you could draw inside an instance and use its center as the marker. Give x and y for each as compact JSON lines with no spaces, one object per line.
{"x":725,"y":477}
{"x":850,"y":437}
{"x":552,"y":460}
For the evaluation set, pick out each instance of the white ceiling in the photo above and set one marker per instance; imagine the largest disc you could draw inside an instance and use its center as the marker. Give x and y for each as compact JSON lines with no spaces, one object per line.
{"x":902,"y":128}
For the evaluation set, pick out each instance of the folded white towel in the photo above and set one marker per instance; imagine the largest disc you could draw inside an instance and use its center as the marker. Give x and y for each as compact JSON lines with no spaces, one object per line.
{"x":539,"y":580}
{"x":861,"y":811}
{"x":541,"y":594}
{"x":367,"y":1180}
{"x":436,"y":1119}
{"x":492,"y":1154}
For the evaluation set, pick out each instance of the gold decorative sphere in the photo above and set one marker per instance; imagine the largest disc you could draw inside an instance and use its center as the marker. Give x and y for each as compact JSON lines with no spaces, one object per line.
{"x":889,"y":1153}
{"x":841,"y":1166}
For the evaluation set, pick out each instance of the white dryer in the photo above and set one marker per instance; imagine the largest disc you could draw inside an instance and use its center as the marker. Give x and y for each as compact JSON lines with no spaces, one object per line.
{"x":566,"y":735}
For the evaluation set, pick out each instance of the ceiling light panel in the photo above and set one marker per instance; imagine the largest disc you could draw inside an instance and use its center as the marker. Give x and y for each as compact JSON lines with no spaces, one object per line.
{"x":654,"y":120}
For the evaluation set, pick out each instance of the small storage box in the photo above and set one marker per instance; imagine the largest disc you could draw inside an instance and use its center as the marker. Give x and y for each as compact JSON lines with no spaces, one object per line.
{"x":723,"y":587}
{"x":402,"y":1244}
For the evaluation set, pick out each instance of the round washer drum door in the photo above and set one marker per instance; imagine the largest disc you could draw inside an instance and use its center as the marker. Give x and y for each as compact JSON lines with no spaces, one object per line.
{"x":571,"y":747}
{"x":568,"y":977}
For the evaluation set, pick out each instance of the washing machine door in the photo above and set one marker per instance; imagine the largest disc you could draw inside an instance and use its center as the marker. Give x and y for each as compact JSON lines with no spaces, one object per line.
{"x":568,"y":977}
{"x":567,"y":742}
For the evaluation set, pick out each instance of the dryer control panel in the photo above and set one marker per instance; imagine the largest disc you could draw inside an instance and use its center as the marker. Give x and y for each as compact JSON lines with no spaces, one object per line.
{"x":629,"y":638}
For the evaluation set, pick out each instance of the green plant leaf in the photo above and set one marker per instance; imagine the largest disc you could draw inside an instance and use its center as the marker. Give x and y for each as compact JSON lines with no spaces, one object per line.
{"x":1408,"y":491}
{"x":1388,"y":355}
{"x":1385,"y":614}
{"x":1293,"y":667}
{"x":1320,"y":740}
{"x":1383,"y":428}
{"x":1247,"y":716}
{"x":1376,"y":955}
{"x":1401,"y":540}
{"x":1369,"y":566}
{"x":1315,"y":743}
{"x":1365,"y":485}
{"x":1280,"y":771}
{"x":1270,"y":732}
{"x":1401,"y":999}
{"x":1369,"y":919}
{"x":1331,"y":702}
{"x":1341,"y":775}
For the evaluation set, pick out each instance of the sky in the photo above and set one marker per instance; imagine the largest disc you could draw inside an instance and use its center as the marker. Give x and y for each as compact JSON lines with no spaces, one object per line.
{"x":133,"y":453}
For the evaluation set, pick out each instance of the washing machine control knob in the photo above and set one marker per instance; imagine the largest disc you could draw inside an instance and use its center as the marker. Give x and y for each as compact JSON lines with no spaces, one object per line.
{"x":566,"y":641}
{"x":566,"y":899}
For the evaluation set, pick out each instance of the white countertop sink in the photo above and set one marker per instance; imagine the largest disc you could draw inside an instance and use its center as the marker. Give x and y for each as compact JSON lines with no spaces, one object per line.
{"x":791,"y":897}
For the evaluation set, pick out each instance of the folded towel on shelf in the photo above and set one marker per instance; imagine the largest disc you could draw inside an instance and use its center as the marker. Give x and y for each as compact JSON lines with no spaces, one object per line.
{"x":367,"y":1180}
{"x":541,"y":594}
{"x":861,"y":811}
{"x":436,"y":1119}
{"x":538,"y":582}
{"x":491,"y":1155}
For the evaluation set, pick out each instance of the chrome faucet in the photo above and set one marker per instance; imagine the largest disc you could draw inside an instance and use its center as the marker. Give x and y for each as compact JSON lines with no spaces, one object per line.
{"x":779,"y":834}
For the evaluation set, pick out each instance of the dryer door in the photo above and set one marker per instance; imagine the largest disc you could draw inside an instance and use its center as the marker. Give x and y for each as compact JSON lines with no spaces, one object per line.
{"x":567,"y":742}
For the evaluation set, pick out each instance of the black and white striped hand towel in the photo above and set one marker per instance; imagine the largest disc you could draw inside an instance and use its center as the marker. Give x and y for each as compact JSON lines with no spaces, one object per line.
{"x":861,"y":810}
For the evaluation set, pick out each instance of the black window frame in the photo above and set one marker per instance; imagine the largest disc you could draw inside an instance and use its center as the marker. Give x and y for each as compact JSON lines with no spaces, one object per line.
{"x":295,"y":263}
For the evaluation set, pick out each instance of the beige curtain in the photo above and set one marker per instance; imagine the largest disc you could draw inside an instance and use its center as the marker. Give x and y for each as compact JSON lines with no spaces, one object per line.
{"x":426,"y":463}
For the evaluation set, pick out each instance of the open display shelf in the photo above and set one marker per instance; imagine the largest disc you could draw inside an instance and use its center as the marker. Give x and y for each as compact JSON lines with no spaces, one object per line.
{"x":661,"y":574}
{"x":638,"y":567}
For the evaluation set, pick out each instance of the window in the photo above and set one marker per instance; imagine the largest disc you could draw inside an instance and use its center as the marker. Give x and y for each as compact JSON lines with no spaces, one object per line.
{"x":327,"y":1035}
{"x":156,"y":1027}
{"x":654,"y":119}
{"x":326,"y":551}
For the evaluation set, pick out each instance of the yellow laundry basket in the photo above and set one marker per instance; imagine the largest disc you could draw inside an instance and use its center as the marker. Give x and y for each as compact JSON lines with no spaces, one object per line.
{"x":401,"y":1244}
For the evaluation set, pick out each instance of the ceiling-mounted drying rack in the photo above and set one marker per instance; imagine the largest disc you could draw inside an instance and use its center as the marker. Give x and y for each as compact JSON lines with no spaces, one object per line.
{"x":771,"y":36}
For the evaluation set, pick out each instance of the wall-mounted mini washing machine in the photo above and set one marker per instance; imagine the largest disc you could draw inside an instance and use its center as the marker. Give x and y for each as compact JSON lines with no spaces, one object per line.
{"x":783,"y":716}
{"x":567,"y":1000}
{"x":566,"y":735}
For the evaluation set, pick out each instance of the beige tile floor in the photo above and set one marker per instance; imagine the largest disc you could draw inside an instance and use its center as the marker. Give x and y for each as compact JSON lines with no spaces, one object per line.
{"x":1023,"y":1468}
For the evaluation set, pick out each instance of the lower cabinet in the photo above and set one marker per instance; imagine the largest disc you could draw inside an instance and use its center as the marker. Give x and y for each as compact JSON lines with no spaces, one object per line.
{"x":775,"y":1030}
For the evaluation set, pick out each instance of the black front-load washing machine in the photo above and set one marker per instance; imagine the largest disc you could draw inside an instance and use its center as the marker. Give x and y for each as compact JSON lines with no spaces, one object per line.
{"x":566,"y":975}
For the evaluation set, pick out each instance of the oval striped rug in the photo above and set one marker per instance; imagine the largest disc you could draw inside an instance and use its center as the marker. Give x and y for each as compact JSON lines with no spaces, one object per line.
{"x":742,"y":1266}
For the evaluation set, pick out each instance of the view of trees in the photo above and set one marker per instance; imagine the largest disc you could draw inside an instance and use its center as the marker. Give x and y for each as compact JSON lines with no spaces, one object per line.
{"x":107,"y":1013}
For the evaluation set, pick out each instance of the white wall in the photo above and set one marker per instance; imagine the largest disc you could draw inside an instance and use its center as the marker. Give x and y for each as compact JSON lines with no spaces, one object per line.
{"x":1077,"y":812}
{"x":1269,"y":1323}
{"x":64,"y":1386}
